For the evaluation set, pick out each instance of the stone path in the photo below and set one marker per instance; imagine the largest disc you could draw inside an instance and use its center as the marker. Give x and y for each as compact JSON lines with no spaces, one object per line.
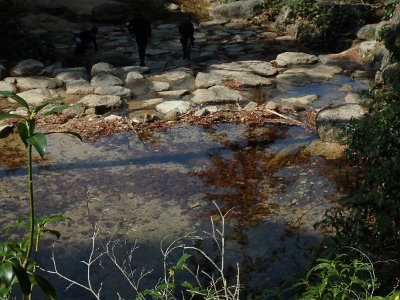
{"x":230,"y":62}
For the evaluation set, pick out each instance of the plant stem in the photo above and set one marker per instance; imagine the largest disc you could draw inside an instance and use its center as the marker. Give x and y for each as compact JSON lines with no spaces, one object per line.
{"x":31,"y":207}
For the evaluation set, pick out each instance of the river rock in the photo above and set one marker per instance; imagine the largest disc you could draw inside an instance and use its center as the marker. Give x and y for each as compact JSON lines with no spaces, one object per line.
{"x":36,"y":96}
{"x":35,"y":82}
{"x":79,"y":87}
{"x":256,"y":67}
{"x":131,"y":77}
{"x":101,"y":67}
{"x":113,"y":90}
{"x":28,"y":67}
{"x":368,"y":32}
{"x":159,"y":86}
{"x":7,"y":86}
{"x":237,"y":10}
{"x":372,"y":54}
{"x":295,"y":58}
{"x":177,"y":107}
{"x":71,"y":74}
{"x":331,"y":120}
{"x":175,"y":77}
{"x":303,"y":76}
{"x":101,"y":103}
{"x":244,"y":78}
{"x":174,"y":93}
{"x":216,"y":94}
{"x":299,"y":102}
{"x":105,"y":79}
{"x":145,"y":104}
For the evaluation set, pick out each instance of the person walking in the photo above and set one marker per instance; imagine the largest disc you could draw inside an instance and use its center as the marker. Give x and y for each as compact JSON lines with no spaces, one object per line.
{"x":186,"y":32}
{"x":140,"y":27}
{"x":84,"y":38}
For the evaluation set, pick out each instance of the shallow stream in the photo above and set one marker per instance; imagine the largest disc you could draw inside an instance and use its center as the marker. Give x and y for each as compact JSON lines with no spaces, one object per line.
{"x":163,"y":186}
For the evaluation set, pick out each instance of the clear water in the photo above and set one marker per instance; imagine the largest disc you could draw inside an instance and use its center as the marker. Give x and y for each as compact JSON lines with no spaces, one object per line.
{"x":146,"y":190}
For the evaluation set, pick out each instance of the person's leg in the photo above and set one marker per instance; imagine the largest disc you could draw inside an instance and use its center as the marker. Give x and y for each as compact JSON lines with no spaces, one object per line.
{"x":142,"y":50}
{"x":183,"y":42}
{"x":79,"y":49}
{"x":188,"y":47}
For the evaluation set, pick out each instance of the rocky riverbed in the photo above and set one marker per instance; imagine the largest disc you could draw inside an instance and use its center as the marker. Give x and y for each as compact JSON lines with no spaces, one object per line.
{"x":237,"y":67}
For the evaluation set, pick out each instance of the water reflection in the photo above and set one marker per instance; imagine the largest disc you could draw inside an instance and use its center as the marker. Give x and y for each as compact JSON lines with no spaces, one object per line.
{"x":145,"y":190}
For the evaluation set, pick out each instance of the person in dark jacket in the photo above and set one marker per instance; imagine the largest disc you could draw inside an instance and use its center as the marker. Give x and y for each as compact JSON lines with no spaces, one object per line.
{"x":140,"y":27}
{"x":84,"y":39}
{"x":186,"y":32}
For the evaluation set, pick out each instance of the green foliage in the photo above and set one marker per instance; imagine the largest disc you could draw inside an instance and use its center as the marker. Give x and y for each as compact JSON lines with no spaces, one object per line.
{"x":373,"y":209}
{"x":389,"y":7}
{"x":167,"y":288}
{"x":12,"y":253}
{"x":308,"y":9}
{"x":272,"y":6}
{"x":390,"y":36}
{"x":18,"y":258}
{"x":338,"y":278}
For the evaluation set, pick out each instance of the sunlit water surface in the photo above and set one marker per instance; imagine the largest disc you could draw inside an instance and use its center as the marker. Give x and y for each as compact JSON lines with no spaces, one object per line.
{"x":163,"y":186}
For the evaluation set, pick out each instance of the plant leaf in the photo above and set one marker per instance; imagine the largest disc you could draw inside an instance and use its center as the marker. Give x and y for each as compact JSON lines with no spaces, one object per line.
{"x":56,"y":233}
{"x":182,"y":260}
{"x":45,"y":103}
{"x":45,"y":286}
{"x":23,"y":132}
{"x":16,"y":98}
{"x":56,"y":109}
{"x":23,"y":278}
{"x":9,"y":116}
{"x":39,"y":141}
{"x":6,"y":273}
{"x":67,"y":132}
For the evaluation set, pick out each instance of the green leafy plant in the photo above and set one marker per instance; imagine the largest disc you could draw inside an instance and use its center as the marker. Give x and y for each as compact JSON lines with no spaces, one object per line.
{"x":389,"y":7}
{"x":339,"y":278}
{"x":372,"y":210}
{"x":19,"y":258}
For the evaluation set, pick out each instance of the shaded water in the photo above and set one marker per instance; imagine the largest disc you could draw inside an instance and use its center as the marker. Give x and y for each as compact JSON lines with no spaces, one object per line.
{"x":163,"y":185}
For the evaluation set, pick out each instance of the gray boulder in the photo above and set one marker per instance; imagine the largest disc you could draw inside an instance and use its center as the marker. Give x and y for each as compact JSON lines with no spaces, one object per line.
{"x":79,"y":87}
{"x":177,"y":107}
{"x":331,"y":120}
{"x":35,"y":82}
{"x":216,"y":94}
{"x":295,"y":58}
{"x":237,"y":10}
{"x":28,"y":67}
{"x":101,"y":103}
{"x":36,"y":96}
{"x":105,"y":79}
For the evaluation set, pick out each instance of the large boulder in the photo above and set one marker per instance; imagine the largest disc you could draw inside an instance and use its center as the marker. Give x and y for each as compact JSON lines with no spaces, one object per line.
{"x":28,"y":67}
{"x":217,"y":94}
{"x":101,"y":103}
{"x":237,"y":10}
{"x":331,"y":120}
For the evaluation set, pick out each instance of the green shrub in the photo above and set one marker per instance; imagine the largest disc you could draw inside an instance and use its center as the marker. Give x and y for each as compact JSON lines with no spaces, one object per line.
{"x":339,"y":278}
{"x":369,"y":217}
